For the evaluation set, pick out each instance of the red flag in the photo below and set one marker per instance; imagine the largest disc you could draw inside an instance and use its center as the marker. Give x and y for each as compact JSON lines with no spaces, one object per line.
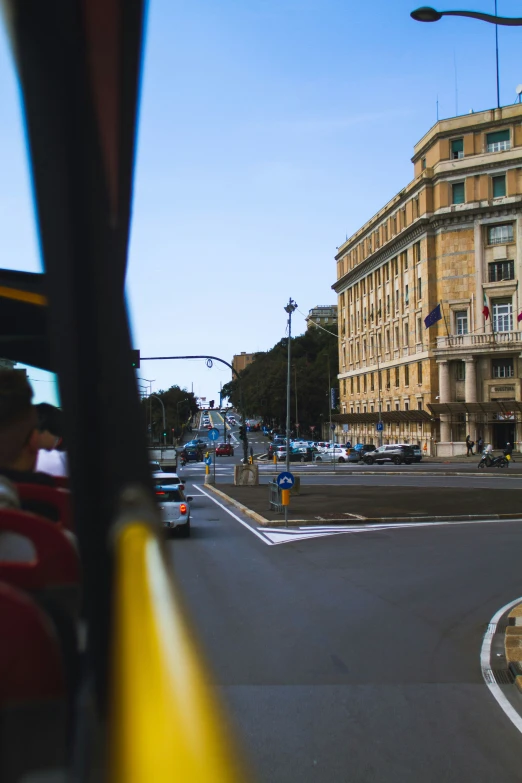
{"x":485,"y":309}
{"x":519,"y":317}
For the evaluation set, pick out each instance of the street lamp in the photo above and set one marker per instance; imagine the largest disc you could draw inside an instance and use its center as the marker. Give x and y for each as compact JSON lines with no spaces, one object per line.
{"x":427,"y":14}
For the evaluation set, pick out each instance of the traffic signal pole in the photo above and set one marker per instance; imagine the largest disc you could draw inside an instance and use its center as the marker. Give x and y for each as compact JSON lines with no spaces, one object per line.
{"x":290,"y":307}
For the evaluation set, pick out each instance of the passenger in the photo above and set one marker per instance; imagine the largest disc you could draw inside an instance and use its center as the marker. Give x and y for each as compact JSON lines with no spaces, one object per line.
{"x":51,"y":459}
{"x":508,"y":450}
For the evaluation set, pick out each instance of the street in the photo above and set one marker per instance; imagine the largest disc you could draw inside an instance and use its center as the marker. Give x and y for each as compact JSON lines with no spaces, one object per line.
{"x":356,"y":656}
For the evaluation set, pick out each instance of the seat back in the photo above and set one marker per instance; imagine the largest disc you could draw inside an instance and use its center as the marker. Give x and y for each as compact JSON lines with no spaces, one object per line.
{"x":56,"y":562}
{"x":51,"y":502}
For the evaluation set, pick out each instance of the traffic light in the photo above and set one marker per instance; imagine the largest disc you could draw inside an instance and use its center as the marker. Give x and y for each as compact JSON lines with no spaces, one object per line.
{"x":242,"y":432}
{"x":211,"y":403}
{"x":135,"y":358}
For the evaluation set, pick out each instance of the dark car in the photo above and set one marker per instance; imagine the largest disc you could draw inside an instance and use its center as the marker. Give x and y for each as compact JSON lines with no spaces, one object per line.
{"x":224,"y":450}
{"x":193,"y":455}
{"x":396,"y":453}
{"x":301,"y":455}
{"x":276,"y":443}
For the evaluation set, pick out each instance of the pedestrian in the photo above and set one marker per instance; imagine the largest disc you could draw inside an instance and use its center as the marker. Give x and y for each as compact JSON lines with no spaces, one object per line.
{"x":469,"y":446}
{"x":480,"y":444}
{"x":51,"y":458}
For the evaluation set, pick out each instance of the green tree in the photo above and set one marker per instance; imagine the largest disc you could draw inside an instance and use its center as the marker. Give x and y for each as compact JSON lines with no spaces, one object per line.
{"x":264,"y":380}
{"x":180,"y":406}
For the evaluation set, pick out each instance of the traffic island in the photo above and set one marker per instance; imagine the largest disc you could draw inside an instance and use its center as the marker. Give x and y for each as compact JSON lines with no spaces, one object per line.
{"x":361,"y":504}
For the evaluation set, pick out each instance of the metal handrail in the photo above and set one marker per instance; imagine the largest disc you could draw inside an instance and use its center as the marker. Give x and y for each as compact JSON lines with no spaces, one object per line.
{"x":164,"y":723}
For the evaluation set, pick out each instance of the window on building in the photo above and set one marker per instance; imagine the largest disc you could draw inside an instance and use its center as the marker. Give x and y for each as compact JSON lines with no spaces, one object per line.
{"x":351,"y":409}
{"x":460,"y":369}
{"x":423,"y":163}
{"x":419,"y":405}
{"x":461,"y":321}
{"x":419,"y":329}
{"x":344,"y":387}
{"x":394,"y":223}
{"x":385,"y":232}
{"x":371,"y":409}
{"x":388,"y":407}
{"x":388,"y":380}
{"x":502,"y":315}
{"x":364,"y":383}
{"x":415,"y":205}
{"x":387,"y":340}
{"x":396,"y":298}
{"x":503,"y":368}
{"x":500,"y":235}
{"x":395,"y":263}
{"x":387,"y":271}
{"x":416,"y":252}
{"x":406,"y":295}
{"x":419,"y":288}
{"x":358,"y":384}
{"x":370,"y":282}
{"x":406,"y":334}
{"x":371,"y":345}
{"x":405,"y":260}
{"x":397,"y":377}
{"x":406,"y":375}
{"x":498,"y":186}
{"x":403,"y":217}
{"x":457,"y":193}
{"x":397,"y":406}
{"x":457,"y":149}
{"x":372,"y":382}
{"x":363,"y":286}
{"x":396,"y":336}
{"x":501,"y":270}
{"x":379,"y":340}
{"x":419,"y":373}
{"x":387,"y":304}
{"x":406,"y":405}
{"x":351,"y":385}
{"x":378,"y":277}
{"x":379,"y":311}
{"x":498,"y":141}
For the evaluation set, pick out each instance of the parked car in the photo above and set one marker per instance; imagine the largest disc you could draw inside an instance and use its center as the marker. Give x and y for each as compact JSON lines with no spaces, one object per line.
{"x":224,"y":450}
{"x":333,"y":454}
{"x":175,"y":508}
{"x":416,"y":451}
{"x":396,"y":453}
{"x":354,"y":456}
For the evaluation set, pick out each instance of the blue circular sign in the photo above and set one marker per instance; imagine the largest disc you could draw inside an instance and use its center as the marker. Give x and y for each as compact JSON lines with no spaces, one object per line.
{"x":208,"y":460}
{"x":213,"y":434}
{"x":285,"y":480}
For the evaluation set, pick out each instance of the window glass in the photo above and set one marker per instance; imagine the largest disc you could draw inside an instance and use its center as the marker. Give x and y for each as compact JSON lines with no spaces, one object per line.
{"x":498,"y":141}
{"x":499,"y":235}
{"x":502,"y":315}
{"x":457,"y":193}
{"x":501,"y":270}
{"x":499,"y":186}
{"x":461,"y":321}
{"x":457,"y":148}
{"x":503,"y":368}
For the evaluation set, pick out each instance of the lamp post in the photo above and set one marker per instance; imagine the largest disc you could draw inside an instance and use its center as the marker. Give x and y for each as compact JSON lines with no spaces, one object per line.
{"x":290,"y":307}
{"x":427,"y":14}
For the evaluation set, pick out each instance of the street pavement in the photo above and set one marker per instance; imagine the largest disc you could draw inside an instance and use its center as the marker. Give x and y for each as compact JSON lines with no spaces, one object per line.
{"x":355,"y":657}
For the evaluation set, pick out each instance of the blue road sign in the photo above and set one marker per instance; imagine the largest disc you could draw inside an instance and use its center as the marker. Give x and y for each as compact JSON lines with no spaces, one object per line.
{"x":285,"y":480}
{"x":332,"y":426}
{"x":213,"y":434}
{"x":380,"y":426}
{"x":208,"y":460}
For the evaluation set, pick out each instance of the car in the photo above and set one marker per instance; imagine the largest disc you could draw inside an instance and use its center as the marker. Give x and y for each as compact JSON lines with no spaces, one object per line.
{"x":167,"y":479}
{"x":174,"y":507}
{"x":301,"y":454}
{"x":396,"y":453}
{"x":364,"y":447}
{"x":354,"y":456}
{"x":194,"y":454}
{"x":197,"y":443}
{"x":155,"y":466}
{"x":224,"y":450}
{"x":416,"y":451}
{"x":333,"y":454}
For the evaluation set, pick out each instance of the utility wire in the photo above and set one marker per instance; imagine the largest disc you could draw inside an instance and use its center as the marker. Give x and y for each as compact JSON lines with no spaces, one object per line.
{"x":309,"y":320}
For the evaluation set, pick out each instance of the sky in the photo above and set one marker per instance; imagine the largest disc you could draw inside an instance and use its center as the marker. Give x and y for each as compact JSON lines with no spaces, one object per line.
{"x":268,"y":133}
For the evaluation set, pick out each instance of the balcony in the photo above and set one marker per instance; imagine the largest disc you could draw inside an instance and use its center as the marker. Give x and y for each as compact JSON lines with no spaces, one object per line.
{"x":477,"y":341}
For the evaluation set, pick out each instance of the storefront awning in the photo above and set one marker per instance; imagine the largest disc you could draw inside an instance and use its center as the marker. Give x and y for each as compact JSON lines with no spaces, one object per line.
{"x":499,"y":406}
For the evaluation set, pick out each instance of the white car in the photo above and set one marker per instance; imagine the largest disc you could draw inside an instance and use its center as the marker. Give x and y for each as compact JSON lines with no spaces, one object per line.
{"x":168,"y":480}
{"x":174,"y":507}
{"x":333,"y":454}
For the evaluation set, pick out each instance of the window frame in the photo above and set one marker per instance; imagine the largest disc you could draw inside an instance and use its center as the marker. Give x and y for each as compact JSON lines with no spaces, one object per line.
{"x":509,"y":239}
{"x":461,"y":316}
{"x":498,"y":179}
{"x":504,"y":265}
{"x":454,"y":185}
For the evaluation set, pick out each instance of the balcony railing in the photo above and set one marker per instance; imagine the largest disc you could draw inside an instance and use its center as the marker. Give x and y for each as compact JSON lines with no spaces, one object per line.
{"x":478,"y":340}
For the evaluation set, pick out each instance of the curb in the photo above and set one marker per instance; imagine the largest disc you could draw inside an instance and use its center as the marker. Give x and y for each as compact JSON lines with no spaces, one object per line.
{"x":264,"y":522}
{"x":513,"y":644}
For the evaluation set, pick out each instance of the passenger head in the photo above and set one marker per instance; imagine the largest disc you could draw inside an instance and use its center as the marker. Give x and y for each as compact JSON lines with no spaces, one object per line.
{"x":50,"y":431}
{"x":18,"y":433}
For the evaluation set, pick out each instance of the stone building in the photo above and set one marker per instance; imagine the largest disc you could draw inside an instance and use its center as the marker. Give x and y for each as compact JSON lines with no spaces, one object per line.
{"x":242,"y":360}
{"x":324,"y":315}
{"x":452,"y":236}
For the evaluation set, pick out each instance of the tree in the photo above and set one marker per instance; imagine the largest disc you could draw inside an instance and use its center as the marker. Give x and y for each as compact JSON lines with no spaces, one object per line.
{"x":264,"y":380}
{"x":180,"y":406}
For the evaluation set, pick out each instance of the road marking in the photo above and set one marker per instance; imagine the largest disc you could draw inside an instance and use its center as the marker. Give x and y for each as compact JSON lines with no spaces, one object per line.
{"x":241,"y":521}
{"x":485,"y":664}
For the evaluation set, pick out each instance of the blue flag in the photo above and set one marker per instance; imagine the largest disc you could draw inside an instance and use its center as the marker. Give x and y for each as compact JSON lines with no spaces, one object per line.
{"x":433,"y":317}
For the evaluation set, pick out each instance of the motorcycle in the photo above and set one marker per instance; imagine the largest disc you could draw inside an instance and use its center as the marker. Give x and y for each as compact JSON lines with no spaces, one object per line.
{"x":490,"y":461}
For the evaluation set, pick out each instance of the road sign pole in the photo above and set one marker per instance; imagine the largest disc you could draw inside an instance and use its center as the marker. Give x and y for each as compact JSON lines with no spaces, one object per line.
{"x":214,"y":464}
{"x":290,"y":307}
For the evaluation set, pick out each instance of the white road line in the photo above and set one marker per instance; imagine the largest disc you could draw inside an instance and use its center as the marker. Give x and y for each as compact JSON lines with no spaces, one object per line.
{"x":241,"y":521}
{"x":485,"y":664}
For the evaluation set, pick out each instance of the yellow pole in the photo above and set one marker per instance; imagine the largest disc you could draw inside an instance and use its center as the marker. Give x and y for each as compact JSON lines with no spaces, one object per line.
{"x":275,"y":460}
{"x":285,"y":497}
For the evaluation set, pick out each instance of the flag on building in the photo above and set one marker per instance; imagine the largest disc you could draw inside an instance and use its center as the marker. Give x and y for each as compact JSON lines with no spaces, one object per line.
{"x":433,"y":317}
{"x":519,"y":317}
{"x":485,"y":309}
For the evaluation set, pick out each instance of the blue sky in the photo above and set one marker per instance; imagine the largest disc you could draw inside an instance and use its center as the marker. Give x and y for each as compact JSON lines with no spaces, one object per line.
{"x":268,"y":132}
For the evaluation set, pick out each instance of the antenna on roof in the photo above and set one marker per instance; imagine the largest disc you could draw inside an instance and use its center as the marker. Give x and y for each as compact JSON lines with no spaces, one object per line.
{"x":519,"y":93}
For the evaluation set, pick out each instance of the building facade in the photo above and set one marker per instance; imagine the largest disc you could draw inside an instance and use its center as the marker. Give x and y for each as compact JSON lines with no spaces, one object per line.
{"x":452,"y":237}
{"x":324,"y":315}
{"x":242,"y":360}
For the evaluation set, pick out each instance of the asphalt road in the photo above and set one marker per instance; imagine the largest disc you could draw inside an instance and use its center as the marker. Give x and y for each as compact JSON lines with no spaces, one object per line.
{"x":354,"y":658}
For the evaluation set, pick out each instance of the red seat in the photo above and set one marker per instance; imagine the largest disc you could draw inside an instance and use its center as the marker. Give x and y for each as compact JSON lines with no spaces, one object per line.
{"x":61,"y":481}
{"x":57,"y":562}
{"x":51,"y":502}
{"x":30,"y":657}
